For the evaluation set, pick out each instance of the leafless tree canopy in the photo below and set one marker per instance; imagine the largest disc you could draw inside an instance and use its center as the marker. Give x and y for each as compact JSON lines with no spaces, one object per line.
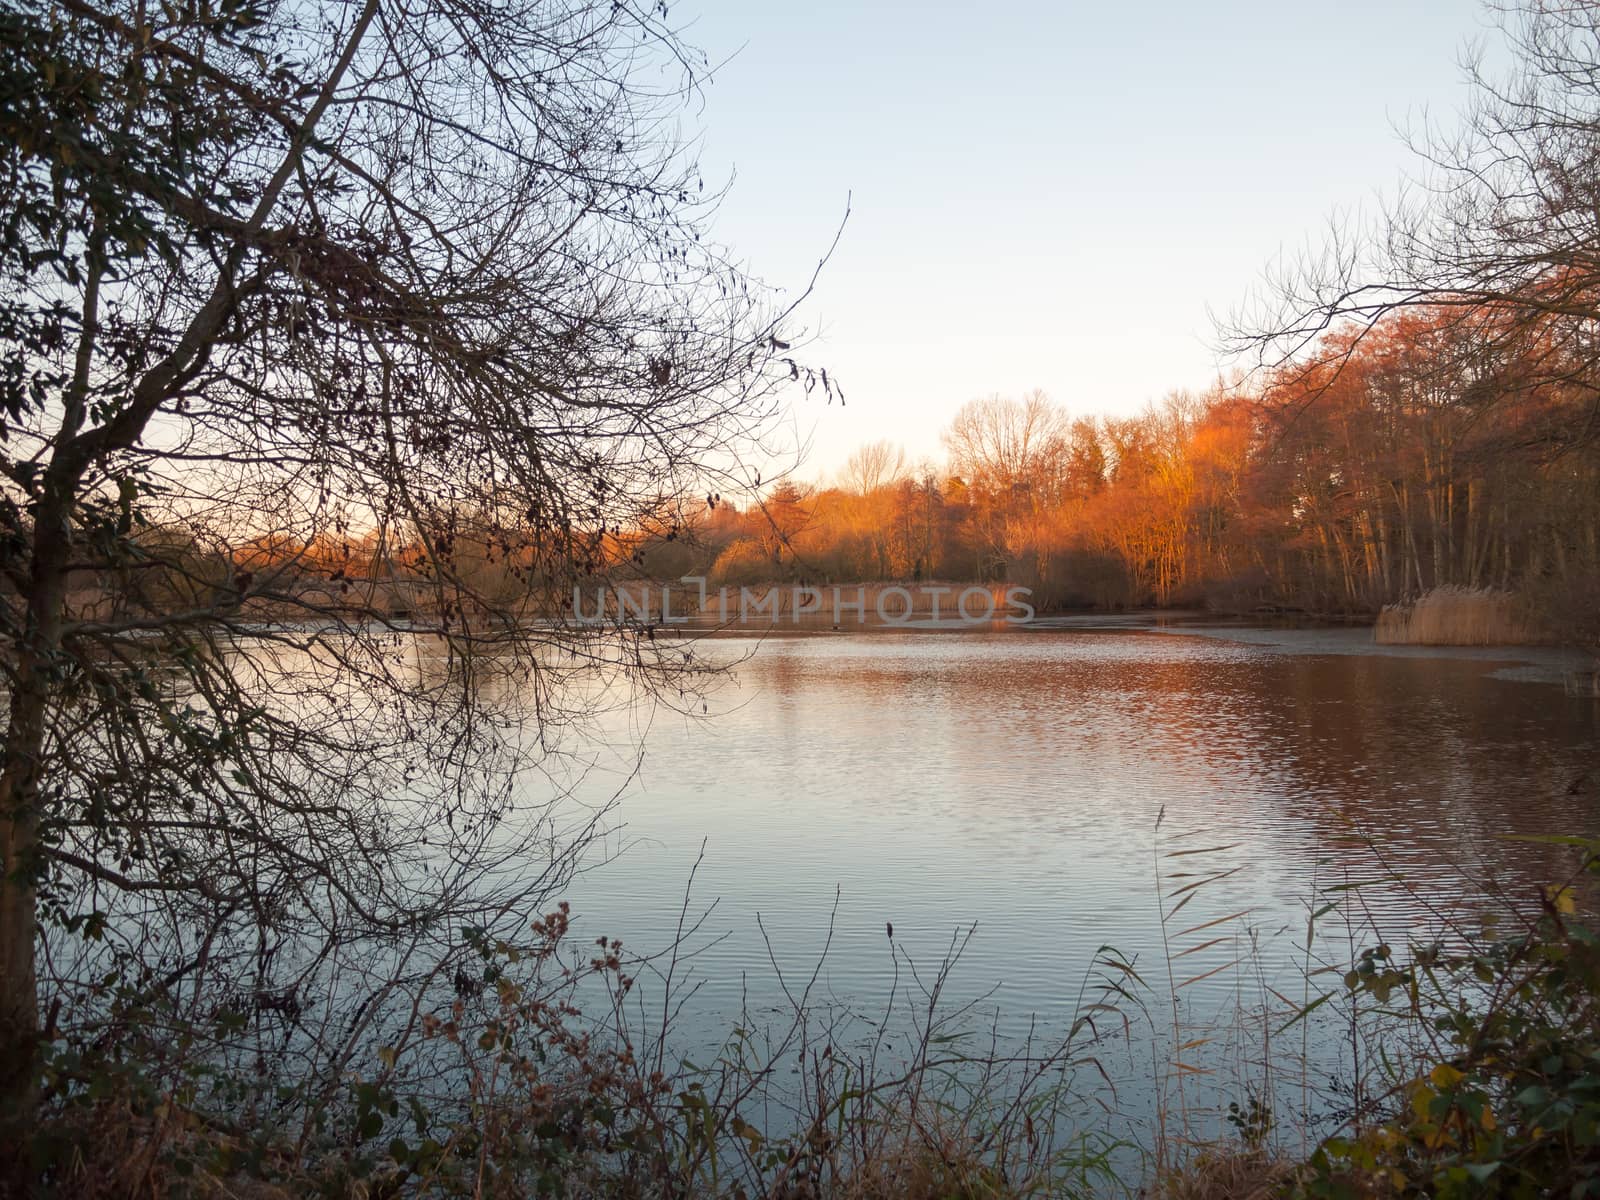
{"x":875,"y":465}
{"x":1500,"y":224}
{"x":326,"y":321}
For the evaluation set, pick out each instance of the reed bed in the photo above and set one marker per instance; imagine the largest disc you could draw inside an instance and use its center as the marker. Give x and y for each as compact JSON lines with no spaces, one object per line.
{"x":1456,"y":616}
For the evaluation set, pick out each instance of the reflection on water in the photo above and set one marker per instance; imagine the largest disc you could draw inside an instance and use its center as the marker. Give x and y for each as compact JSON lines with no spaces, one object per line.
{"x":1014,"y":780}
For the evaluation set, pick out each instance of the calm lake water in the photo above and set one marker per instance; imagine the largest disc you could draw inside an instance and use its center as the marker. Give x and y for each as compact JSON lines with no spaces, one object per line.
{"x":1012,"y":780}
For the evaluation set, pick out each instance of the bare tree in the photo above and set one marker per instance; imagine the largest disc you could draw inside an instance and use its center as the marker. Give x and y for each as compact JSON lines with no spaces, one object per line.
{"x":1494,"y":250}
{"x":874,"y":465}
{"x":1498,"y":230}
{"x":998,"y":443}
{"x":339,"y":337}
{"x":1012,"y":454}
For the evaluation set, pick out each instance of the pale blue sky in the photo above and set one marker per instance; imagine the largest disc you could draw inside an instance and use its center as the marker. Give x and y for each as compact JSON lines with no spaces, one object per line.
{"x":1048,"y":195}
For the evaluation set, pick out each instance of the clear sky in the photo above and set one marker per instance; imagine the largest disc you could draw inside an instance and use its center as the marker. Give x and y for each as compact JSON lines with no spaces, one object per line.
{"x":1047,"y":194}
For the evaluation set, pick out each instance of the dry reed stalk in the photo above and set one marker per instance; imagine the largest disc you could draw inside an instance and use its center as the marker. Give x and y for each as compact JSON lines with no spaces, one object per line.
{"x":1455,"y":616}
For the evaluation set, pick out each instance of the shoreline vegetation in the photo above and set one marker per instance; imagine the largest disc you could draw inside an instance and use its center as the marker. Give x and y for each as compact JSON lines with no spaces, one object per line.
{"x":1444,"y":616}
{"x":1454,"y":616}
{"x":1468,"y":1066}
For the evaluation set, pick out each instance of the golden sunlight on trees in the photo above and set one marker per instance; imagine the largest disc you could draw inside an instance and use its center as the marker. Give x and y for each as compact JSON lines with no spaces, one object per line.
{"x":1449,"y":351}
{"x":1425,"y":416}
{"x":1371,"y":471}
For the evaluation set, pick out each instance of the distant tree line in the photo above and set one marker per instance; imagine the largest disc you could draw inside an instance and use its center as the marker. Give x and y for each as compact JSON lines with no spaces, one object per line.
{"x":1391,"y":461}
{"x":1425,"y":451}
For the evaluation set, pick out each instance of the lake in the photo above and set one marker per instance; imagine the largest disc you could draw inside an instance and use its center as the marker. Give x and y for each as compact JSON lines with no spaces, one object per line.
{"x":1013,"y":780}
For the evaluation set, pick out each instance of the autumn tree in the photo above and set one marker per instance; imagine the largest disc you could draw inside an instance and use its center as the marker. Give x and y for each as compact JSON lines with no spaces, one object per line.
{"x":780,"y":518}
{"x":1012,"y":455}
{"x":1493,"y":243}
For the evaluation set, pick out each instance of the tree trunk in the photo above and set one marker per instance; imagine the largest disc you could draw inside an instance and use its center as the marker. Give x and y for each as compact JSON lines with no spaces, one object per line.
{"x":20,"y":811}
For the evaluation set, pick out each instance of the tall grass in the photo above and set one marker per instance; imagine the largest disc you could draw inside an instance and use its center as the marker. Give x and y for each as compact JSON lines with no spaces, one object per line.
{"x":1456,"y":616}
{"x":545,"y":1069}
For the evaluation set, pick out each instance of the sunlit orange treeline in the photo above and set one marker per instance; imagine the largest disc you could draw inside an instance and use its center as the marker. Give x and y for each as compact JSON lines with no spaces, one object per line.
{"x":1434,"y":449}
{"x":1428,"y":451}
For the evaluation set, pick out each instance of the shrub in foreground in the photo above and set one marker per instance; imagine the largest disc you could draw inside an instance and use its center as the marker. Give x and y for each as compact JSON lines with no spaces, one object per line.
{"x":1509,"y":1105}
